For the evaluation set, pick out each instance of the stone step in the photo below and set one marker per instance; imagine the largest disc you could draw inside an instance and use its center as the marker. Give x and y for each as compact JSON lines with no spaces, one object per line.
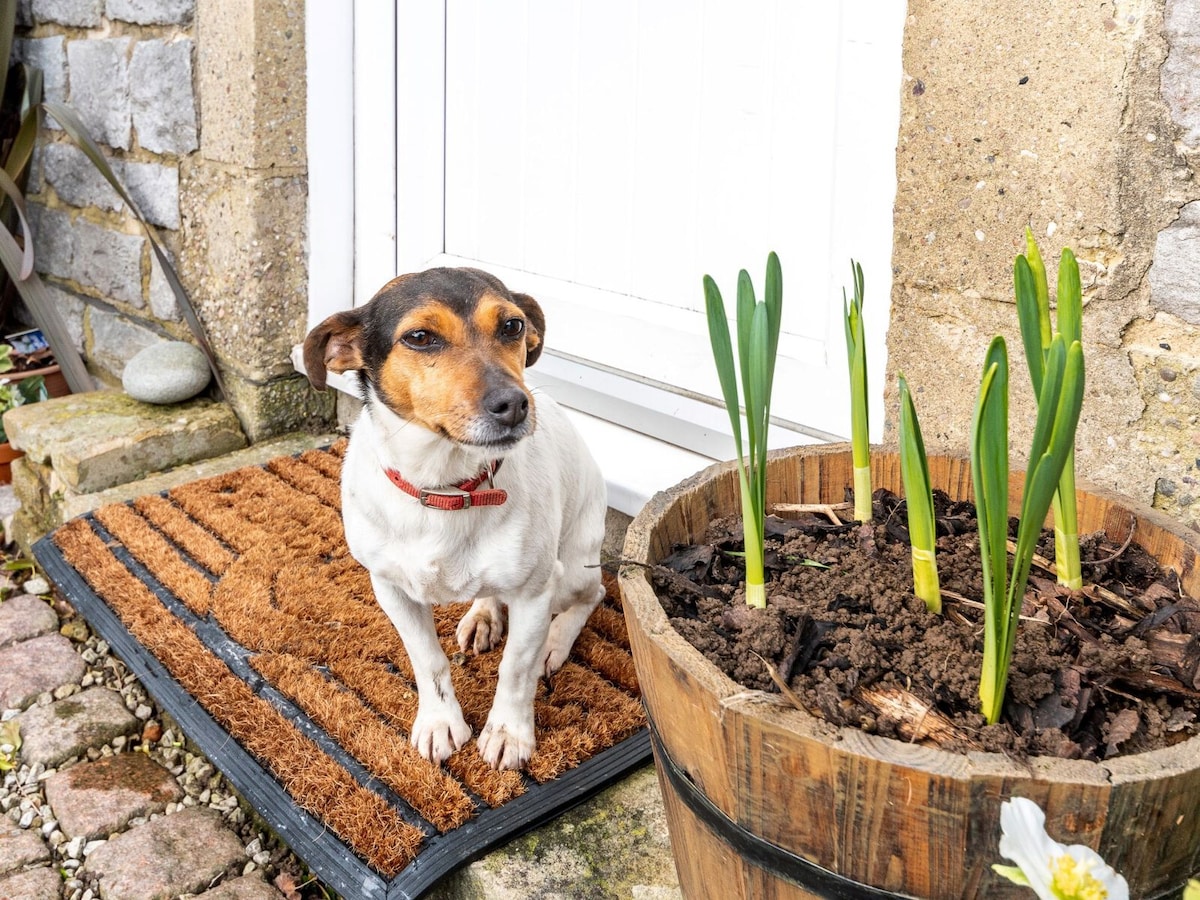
{"x":47,"y":501}
{"x":33,"y":667}
{"x":100,"y":439}
{"x":177,"y":854}
{"x":66,"y":728}
{"x":94,"y":799}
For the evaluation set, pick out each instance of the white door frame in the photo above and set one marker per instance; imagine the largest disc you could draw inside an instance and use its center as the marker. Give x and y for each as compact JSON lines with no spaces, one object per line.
{"x":368,"y":221}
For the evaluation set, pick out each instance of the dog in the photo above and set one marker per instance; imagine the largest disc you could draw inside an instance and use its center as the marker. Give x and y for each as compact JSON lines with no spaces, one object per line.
{"x":458,"y":485}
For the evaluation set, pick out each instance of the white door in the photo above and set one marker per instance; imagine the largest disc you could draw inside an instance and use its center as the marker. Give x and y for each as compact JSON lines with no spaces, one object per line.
{"x":603,"y":155}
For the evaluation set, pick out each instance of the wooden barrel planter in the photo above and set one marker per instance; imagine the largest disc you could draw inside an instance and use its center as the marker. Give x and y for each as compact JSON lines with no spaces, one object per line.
{"x":768,"y":802}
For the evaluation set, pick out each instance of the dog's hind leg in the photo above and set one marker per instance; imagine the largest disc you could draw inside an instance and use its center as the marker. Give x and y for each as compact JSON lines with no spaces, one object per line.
{"x":482,"y":628}
{"x":570,"y":617}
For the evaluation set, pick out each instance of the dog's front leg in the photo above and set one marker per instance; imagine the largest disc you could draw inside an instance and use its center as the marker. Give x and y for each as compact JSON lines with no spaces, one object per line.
{"x":507,"y":740}
{"x":439,"y":728}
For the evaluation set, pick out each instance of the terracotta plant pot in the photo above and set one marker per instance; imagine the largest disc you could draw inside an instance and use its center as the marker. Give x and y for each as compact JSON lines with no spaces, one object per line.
{"x":7,"y":455}
{"x":56,"y":382}
{"x":769,"y":802}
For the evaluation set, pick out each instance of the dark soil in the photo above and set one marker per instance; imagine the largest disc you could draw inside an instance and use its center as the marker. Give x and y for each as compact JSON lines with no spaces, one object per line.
{"x":1093,"y":675}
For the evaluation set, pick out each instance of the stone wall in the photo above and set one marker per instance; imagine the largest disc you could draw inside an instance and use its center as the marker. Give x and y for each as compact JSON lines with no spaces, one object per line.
{"x":1080,"y":120}
{"x":201,"y":103}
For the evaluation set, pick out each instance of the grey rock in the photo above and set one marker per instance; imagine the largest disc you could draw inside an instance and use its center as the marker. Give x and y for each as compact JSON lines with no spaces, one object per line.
{"x":1180,"y":73}
{"x":75,"y":179}
{"x":53,"y":239}
{"x":1175,"y":272}
{"x":116,"y":339}
{"x":248,"y":887}
{"x":50,"y":55}
{"x":152,"y":12}
{"x":109,"y":261}
{"x":31,"y":667}
{"x":66,"y":728}
{"x":99,"y":76}
{"x":155,"y":189}
{"x":169,"y":372}
{"x":176,"y":854}
{"x":35,"y":884}
{"x":83,"y":13}
{"x":163,"y":302}
{"x":95,"y":799}
{"x":24,"y":617}
{"x":163,"y":103}
{"x":19,"y":847}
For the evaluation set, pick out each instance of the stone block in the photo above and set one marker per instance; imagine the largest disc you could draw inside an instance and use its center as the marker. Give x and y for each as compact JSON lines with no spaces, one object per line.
{"x":19,"y":847}
{"x":35,"y":884}
{"x":1175,"y":273}
{"x":71,"y":306}
{"x":74,"y":178}
{"x":152,"y":12}
{"x":103,"y":438}
{"x":99,"y":78}
{"x":248,"y":275}
{"x":248,"y":887}
{"x":616,"y":843}
{"x":1181,"y":70}
{"x":278,"y":406}
{"x":50,"y":55}
{"x":173,"y":855}
{"x":116,"y":339}
{"x":163,"y":104}
{"x":66,"y":728}
{"x":24,"y":617}
{"x":53,"y":239}
{"x":155,"y":189}
{"x":81,"y":13}
{"x":95,"y":799}
{"x":257,"y":121}
{"x":163,"y":302}
{"x":31,"y":667}
{"x":109,"y":261}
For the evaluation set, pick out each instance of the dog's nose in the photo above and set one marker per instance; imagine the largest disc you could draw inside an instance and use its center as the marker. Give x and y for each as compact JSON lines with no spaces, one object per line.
{"x":508,"y":405}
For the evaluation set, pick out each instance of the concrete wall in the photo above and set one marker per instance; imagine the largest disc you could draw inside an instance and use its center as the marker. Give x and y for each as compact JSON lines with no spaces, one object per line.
{"x":1080,"y":120}
{"x":201,"y":103}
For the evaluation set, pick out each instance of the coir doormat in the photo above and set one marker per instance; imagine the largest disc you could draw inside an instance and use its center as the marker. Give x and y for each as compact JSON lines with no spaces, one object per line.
{"x":236,"y":601}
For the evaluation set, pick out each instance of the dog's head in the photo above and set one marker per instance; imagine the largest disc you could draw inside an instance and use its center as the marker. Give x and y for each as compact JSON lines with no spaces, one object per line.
{"x":444,"y":348}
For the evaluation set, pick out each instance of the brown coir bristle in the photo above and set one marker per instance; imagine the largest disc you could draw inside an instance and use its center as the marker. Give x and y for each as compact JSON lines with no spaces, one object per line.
{"x":386,"y":752}
{"x":186,"y":534}
{"x":156,"y":554}
{"x":360,"y":817}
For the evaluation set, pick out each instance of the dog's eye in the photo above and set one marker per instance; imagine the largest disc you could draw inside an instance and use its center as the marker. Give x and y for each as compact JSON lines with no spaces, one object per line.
{"x":420,"y":339}
{"x":512,"y":328}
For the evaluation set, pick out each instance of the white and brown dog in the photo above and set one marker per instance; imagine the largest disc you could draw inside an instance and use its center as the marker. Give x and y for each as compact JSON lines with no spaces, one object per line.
{"x":456,"y":486}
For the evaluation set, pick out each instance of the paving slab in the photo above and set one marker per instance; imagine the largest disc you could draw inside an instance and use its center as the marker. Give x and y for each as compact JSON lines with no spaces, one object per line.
{"x":23,"y":617}
{"x":177,"y":854}
{"x":94,"y":799}
{"x":31,"y":667}
{"x":66,"y":728}
{"x":247,"y":887}
{"x":124,"y":439}
{"x":19,"y":847}
{"x":36,"y":884}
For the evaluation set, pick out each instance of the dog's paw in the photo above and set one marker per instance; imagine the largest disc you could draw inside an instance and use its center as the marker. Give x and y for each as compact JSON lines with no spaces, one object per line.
{"x":482,"y":628}
{"x":438,"y":735}
{"x":506,"y":745}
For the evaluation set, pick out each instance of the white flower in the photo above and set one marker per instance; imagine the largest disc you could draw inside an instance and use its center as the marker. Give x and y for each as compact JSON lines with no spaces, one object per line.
{"x":1053,"y":870}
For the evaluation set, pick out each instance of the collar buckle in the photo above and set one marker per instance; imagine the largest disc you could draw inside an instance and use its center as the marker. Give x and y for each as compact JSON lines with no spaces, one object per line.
{"x":423,"y":495}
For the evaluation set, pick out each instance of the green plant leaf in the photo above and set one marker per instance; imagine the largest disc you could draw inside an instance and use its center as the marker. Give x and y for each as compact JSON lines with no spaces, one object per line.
{"x":1070,"y":298}
{"x":914,"y":472}
{"x":722,"y":347}
{"x":1029,"y":318}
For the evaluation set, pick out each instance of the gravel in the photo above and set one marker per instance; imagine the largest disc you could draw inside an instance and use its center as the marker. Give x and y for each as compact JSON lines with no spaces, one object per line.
{"x":23,"y":800}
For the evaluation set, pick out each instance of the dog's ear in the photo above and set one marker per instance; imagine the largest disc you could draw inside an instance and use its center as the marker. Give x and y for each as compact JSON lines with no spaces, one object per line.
{"x":334,"y":345}
{"x":535,"y":332}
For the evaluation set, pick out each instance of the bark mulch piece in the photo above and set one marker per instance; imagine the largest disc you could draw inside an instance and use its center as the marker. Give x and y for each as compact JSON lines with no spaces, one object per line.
{"x":236,"y":601}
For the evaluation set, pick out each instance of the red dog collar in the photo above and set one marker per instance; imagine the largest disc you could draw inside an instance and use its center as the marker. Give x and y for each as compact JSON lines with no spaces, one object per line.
{"x":462,"y":496}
